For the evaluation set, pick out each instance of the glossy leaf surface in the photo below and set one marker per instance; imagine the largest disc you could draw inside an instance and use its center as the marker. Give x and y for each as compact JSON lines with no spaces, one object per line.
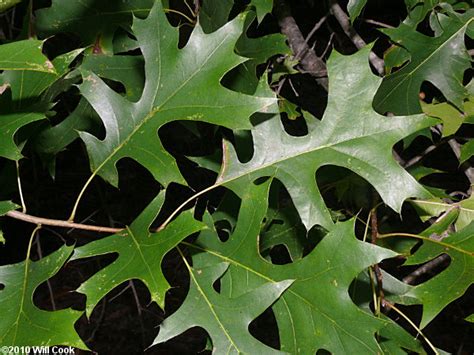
{"x":351,"y":134}
{"x":24,"y":323}
{"x":430,"y":59}
{"x":226,"y":319}
{"x":316,"y":311}
{"x":140,"y":254}
{"x":181,"y":84}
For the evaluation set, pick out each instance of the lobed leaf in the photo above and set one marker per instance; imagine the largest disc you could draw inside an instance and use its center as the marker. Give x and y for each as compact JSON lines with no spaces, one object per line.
{"x":91,"y":20}
{"x":181,"y":84}
{"x":140,"y":254}
{"x":24,"y":324}
{"x":316,"y":311}
{"x":351,"y":134}
{"x":450,"y":284}
{"x":440,"y":60}
{"x":225,"y":318}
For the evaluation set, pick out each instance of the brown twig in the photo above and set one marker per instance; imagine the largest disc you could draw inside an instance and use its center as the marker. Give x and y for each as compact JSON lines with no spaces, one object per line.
{"x":377,"y":23}
{"x":316,"y":27}
{"x":309,"y":61}
{"x":58,"y":223}
{"x":343,"y":20}
{"x":426,"y":268}
{"x":378,"y":274}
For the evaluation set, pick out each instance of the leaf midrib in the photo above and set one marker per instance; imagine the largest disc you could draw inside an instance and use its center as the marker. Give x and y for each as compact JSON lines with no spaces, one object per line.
{"x":211,"y":308}
{"x":221,"y":180}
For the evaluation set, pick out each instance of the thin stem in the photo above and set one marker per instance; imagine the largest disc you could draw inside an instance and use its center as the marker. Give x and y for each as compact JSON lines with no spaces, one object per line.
{"x":20,"y":190}
{"x":378,"y":23}
{"x":79,"y":197}
{"x":190,"y":20}
{"x":391,"y":306}
{"x":190,"y":8}
{"x":48,"y":282}
{"x":374,"y":293}
{"x":27,"y":263}
{"x":366,"y":231}
{"x":409,"y":235}
{"x":58,"y":223}
{"x":180,"y":207}
{"x":101,"y":229}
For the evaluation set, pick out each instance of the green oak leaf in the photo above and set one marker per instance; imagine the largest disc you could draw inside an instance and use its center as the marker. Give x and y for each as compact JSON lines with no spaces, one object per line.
{"x":354,"y":7}
{"x":467,"y":151}
{"x":6,"y":4}
{"x":451,"y":117}
{"x":226,"y":319}
{"x":27,"y":85}
{"x":450,"y":284}
{"x":7,"y":206}
{"x":436,"y":206}
{"x":10,"y":123}
{"x":417,"y":11}
{"x":24,"y":324}
{"x":262,"y":7}
{"x":89,"y":19}
{"x":259,"y":50}
{"x":25,"y":55}
{"x":127,"y":70}
{"x":29,"y":98}
{"x":283,"y":226}
{"x":181,"y":84}
{"x":140,"y":254}
{"x":316,"y":311}
{"x":351,"y":134}
{"x":470,"y":318}
{"x":214,"y":14}
{"x":440,"y":60}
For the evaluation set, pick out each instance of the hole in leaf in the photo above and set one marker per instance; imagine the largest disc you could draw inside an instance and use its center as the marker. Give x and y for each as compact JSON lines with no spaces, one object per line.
{"x":117,"y":86}
{"x":279,"y":255}
{"x":243,"y":144}
{"x":60,"y":43}
{"x":242,"y":78}
{"x":301,"y":91}
{"x":226,"y":214}
{"x":192,"y":341}
{"x":125,"y":43}
{"x":131,"y":198}
{"x":217,"y":285}
{"x":2,"y":287}
{"x":222,"y":233}
{"x":283,"y":237}
{"x":430,"y":93}
{"x":295,"y":127}
{"x":265,"y":329}
{"x":344,"y":192}
{"x":122,"y":318}
{"x":261,"y":180}
{"x":190,"y":138}
{"x":323,"y":352}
